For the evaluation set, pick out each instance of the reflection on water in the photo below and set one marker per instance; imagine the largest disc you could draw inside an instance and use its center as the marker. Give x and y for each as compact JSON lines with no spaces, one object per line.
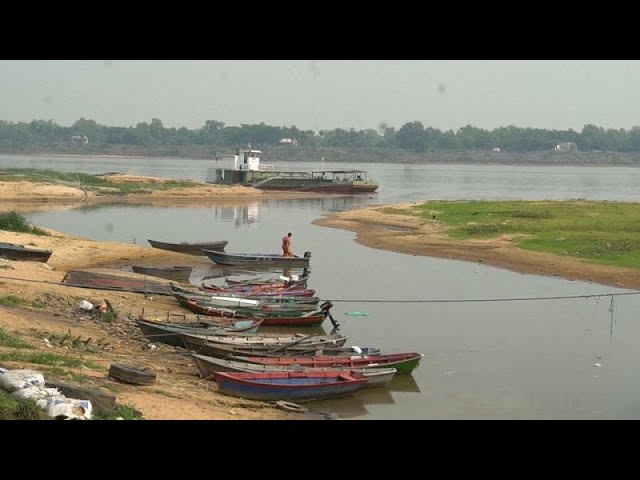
{"x":404,"y":383}
{"x":242,"y":215}
{"x":355,"y":406}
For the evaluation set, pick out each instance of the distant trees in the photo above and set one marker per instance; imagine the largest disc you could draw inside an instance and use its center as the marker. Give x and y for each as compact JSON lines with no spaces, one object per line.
{"x":216,"y":135}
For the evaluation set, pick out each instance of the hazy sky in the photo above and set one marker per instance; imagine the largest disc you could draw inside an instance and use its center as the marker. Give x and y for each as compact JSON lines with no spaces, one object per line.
{"x":325,"y":94}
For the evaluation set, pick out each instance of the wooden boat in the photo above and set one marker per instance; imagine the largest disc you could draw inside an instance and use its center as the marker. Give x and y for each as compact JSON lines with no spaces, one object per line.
{"x":237,"y":352}
{"x":15,"y":251}
{"x":180,"y":274}
{"x":270,"y":318}
{"x":194,"y":248}
{"x":106,"y":279}
{"x":170,"y":333}
{"x":218,"y":301}
{"x":264,"y":299}
{"x":289,"y":385}
{"x":260,"y":291}
{"x":403,"y":362}
{"x":263,"y":305}
{"x":223,"y":258}
{"x":292,"y":280}
{"x":208,"y":366}
{"x":270,"y":341}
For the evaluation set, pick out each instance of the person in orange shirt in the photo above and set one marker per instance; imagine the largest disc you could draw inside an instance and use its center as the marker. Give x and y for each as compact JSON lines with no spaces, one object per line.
{"x":286,"y":245}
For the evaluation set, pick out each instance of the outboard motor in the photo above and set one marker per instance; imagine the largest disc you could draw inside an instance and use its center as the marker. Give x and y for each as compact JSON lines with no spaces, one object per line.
{"x":307,"y":254}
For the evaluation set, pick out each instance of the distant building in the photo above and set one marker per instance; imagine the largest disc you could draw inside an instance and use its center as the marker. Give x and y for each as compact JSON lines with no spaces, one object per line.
{"x":566,"y":147}
{"x":83,"y":139}
{"x":289,"y":141}
{"x":495,"y":149}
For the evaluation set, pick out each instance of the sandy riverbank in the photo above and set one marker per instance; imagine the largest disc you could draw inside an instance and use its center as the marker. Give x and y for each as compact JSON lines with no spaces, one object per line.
{"x":414,"y":236}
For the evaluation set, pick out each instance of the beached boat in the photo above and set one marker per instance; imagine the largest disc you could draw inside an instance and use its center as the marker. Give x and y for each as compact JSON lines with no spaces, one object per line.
{"x":15,"y":251}
{"x":271,"y":318}
{"x":402,"y":362}
{"x":190,"y":248}
{"x":260,"y":291}
{"x":171,"y":333}
{"x":270,"y":341}
{"x":223,"y":258}
{"x":281,"y":281}
{"x":179,"y":274}
{"x":244,"y":168}
{"x":237,"y":352}
{"x":208,"y":366}
{"x":111,"y":279}
{"x":217,"y":301}
{"x":289,"y":385}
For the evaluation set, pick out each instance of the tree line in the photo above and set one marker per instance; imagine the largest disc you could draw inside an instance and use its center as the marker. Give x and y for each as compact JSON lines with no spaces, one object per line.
{"x":412,"y":137}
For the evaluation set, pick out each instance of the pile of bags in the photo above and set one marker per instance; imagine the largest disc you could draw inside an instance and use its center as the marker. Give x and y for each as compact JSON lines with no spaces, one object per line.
{"x":22,"y":384}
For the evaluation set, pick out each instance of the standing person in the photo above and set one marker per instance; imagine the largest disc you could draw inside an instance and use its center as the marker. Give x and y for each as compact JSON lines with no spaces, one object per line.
{"x":286,"y":245}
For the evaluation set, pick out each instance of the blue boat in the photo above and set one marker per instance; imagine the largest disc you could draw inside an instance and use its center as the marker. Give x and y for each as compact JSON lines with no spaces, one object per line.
{"x":299,"y":386}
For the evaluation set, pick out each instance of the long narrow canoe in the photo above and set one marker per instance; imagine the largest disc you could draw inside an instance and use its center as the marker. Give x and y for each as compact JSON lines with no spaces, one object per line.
{"x":282,"y":281}
{"x":208,"y":366}
{"x":194,"y":248}
{"x":237,"y":352}
{"x":270,"y":319}
{"x":108,"y":279}
{"x":262,"y":292}
{"x":223,"y":258}
{"x":218,"y":300}
{"x":270,"y":341}
{"x":203,"y":295}
{"x":180,"y":274}
{"x":403,"y":362}
{"x":15,"y":251}
{"x":289,"y":385}
{"x":171,"y":333}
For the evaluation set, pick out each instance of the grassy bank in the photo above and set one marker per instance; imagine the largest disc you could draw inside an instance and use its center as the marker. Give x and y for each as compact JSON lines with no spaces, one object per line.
{"x":91,"y":183}
{"x":607,"y":233}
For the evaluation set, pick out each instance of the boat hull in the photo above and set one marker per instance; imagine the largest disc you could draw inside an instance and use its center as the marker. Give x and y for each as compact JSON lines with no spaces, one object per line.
{"x":180,"y":274}
{"x":289,"y":385}
{"x":233,"y":259}
{"x":172,"y":335}
{"x":404,"y":363}
{"x":14,"y":251}
{"x":208,"y":366}
{"x":347,"y":187}
{"x":189,"y":248}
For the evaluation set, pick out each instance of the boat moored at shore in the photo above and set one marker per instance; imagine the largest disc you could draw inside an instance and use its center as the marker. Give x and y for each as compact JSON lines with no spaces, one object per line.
{"x":247,"y":170}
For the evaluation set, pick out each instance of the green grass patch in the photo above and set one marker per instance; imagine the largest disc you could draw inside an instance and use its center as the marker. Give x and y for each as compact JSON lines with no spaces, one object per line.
{"x":125,"y":411}
{"x":598,"y":232}
{"x":14,"y":301}
{"x":110,"y":317}
{"x":7,"y":340}
{"x":47,"y":358}
{"x":12,"y":409}
{"x":14,"y":221}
